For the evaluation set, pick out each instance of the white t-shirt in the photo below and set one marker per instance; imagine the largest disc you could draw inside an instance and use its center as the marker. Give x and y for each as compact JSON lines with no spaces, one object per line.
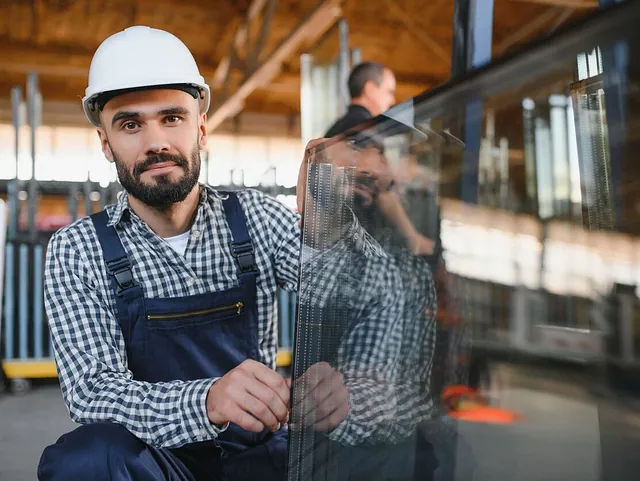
{"x":179,"y":243}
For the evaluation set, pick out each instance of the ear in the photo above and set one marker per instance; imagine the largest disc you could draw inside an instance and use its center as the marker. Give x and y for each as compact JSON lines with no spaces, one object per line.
{"x":369,"y":88}
{"x":202,"y":132}
{"x":104,"y":143}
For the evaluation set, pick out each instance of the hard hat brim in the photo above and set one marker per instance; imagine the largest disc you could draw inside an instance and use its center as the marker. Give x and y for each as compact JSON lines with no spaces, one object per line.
{"x":91,"y":110}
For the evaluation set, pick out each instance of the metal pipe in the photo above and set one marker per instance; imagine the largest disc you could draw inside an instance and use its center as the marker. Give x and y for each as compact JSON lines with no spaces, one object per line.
{"x":16,"y":104}
{"x":104,"y":193}
{"x":285,"y":333}
{"x":13,"y":188}
{"x":306,"y":97}
{"x":616,"y":60}
{"x":472,"y":36}
{"x":38,"y":296}
{"x":9,"y":300}
{"x":72,"y":201}
{"x":356,"y":56}
{"x":24,"y":302}
{"x":87,"y":188}
{"x":33,"y":108}
{"x":343,"y":73}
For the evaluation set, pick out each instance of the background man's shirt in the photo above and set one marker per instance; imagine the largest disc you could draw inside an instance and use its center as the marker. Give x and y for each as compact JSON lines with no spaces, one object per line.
{"x":356,"y":114}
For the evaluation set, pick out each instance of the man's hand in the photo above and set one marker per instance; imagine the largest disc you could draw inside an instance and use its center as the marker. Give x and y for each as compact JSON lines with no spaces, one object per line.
{"x":251,"y":396}
{"x":420,"y":245}
{"x":309,"y":157}
{"x":322,"y":398}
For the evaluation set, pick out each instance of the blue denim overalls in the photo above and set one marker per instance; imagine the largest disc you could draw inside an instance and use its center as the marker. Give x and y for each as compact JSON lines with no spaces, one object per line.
{"x":185,"y":338}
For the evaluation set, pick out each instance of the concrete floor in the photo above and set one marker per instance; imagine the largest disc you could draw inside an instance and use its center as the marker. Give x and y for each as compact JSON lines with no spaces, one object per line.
{"x":28,"y":423}
{"x":562,"y":436}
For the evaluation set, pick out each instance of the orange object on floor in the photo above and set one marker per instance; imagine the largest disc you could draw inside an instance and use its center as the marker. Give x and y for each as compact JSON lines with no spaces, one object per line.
{"x":465,"y":404}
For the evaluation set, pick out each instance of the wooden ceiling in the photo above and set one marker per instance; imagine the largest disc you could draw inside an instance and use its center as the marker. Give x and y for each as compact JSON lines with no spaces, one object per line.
{"x":57,"y":38}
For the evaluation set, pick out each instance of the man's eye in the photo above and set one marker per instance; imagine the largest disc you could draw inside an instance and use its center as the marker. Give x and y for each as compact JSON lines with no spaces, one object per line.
{"x":129,"y":125}
{"x":172,"y":119}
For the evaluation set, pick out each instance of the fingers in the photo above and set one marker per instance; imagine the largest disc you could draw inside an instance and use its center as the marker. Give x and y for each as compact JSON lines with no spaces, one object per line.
{"x":301,"y":190}
{"x":270,"y":378}
{"x":312,"y":143}
{"x":252,"y":396}
{"x":258,"y":409}
{"x":322,"y":399}
{"x":255,"y":398}
{"x":318,"y":393}
{"x":333,"y":410}
{"x":271,"y":399}
{"x":245,"y":420}
{"x":330,"y":396}
{"x":314,"y":376}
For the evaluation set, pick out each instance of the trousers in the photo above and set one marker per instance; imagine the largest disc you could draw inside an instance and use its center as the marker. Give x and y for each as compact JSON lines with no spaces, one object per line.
{"x":109,"y":452}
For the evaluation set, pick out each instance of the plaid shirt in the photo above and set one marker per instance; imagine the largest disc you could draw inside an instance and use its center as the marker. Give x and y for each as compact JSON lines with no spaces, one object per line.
{"x":88,"y":344}
{"x":377,"y":357}
{"x":376,"y":303}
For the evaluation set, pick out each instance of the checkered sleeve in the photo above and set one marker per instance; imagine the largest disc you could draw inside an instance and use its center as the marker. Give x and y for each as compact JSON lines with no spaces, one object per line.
{"x":386,"y":356}
{"x":284,"y":236}
{"x":366,"y":361}
{"x":92,"y":363}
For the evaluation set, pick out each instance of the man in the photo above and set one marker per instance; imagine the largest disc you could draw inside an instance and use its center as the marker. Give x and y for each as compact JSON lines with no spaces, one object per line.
{"x":372,"y":90}
{"x":161,"y":307}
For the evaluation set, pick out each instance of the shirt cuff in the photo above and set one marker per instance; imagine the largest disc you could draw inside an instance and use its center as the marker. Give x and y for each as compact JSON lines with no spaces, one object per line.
{"x":339,"y":433}
{"x":195,"y":422}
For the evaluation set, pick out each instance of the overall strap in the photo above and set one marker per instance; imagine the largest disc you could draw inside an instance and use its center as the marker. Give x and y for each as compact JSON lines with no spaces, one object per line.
{"x":241,"y":247}
{"x":124,"y":286}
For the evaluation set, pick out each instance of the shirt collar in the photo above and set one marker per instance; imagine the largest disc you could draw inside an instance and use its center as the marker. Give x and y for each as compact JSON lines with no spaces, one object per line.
{"x":122,"y":206}
{"x":355,"y":107}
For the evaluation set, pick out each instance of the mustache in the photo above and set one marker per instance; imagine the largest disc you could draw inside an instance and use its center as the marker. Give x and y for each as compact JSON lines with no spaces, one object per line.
{"x":158,"y":159}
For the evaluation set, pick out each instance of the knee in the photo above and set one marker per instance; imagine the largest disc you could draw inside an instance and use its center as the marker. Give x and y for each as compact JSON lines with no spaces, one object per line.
{"x":88,"y":453}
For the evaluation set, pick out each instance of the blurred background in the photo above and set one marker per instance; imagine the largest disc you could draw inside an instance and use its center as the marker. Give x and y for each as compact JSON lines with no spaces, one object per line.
{"x":538,"y":202}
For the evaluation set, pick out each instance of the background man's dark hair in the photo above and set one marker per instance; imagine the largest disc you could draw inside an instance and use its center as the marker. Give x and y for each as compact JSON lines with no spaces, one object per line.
{"x":361,"y":74}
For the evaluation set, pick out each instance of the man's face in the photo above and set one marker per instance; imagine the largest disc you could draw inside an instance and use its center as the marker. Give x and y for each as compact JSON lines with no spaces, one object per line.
{"x":154,"y":137}
{"x":384,"y":95}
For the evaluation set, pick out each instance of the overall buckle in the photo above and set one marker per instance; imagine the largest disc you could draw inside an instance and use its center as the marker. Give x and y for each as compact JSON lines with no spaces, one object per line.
{"x":243,"y":252}
{"x":120,"y":269}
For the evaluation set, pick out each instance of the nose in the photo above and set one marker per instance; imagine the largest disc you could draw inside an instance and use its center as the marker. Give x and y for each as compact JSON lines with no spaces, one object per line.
{"x":156,"y":139}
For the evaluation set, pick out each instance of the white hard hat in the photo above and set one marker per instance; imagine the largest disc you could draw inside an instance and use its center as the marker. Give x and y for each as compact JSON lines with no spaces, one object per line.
{"x":141,"y":57}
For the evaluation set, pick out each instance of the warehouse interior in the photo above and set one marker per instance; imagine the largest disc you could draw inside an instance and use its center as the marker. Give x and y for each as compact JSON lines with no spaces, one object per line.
{"x":539,"y":258}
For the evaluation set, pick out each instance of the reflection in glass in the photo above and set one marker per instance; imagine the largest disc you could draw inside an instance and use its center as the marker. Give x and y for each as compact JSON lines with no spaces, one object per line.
{"x":493,"y":340}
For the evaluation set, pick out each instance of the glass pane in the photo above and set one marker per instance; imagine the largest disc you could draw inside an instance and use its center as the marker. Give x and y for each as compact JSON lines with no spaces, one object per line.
{"x":493,"y":338}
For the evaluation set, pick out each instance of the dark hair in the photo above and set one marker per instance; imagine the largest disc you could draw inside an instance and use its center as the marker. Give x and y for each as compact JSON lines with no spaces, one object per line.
{"x":361,"y":74}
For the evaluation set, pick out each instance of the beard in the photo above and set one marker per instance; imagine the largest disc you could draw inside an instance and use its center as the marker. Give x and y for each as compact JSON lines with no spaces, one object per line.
{"x":164,"y":192}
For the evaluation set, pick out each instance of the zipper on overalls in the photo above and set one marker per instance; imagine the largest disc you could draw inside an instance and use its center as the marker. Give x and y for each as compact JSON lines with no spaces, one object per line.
{"x":237,"y":306}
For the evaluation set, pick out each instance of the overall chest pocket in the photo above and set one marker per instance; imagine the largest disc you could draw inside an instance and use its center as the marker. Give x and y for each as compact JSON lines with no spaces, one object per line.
{"x":196,"y":318}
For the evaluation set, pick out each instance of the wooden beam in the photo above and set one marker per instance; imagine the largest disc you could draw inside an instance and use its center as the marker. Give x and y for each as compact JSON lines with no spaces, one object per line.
{"x":418,"y":32}
{"x":323,"y":16}
{"x":529,"y":28}
{"x":253,"y":53}
{"x":239,"y":41}
{"x":564,"y":16}
{"x":590,"y":4}
{"x":285,"y":84}
{"x":22,"y":57}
